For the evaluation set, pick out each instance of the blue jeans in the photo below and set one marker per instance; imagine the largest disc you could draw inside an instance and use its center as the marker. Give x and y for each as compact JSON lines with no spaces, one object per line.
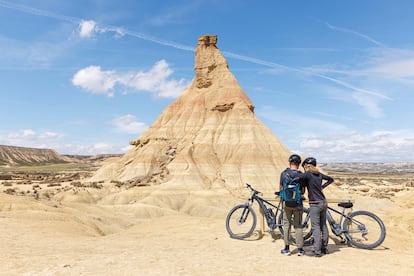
{"x":319,"y":227}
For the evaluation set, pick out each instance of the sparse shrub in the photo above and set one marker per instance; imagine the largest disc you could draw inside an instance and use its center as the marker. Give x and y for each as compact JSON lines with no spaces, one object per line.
{"x":76,"y":184}
{"x":409,"y":183}
{"x":10,"y":191}
{"x":96,"y":185}
{"x":54,"y":184}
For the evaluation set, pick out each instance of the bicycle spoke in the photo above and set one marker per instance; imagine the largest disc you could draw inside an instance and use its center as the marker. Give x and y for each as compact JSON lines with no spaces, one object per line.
{"x":241,"y":222}
{"x":364,"y":230}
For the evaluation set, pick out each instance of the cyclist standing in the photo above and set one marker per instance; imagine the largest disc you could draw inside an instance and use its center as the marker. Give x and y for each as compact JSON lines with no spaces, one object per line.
{"x":312,"y":179}
{"x":295,"y":212}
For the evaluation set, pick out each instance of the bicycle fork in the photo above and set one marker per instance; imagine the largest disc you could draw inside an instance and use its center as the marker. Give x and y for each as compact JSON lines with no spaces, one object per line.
{"x":246,"y":212}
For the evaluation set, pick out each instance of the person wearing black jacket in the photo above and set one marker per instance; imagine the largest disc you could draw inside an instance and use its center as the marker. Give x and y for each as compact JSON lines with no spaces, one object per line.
{"x":314,"y":181}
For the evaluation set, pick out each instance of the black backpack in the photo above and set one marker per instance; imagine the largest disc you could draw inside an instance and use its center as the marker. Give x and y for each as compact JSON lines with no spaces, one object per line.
{"x":291,"y":191}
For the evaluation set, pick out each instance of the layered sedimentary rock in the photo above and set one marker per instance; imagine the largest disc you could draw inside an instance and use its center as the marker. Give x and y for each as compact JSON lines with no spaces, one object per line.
{"x":14,"y":156}
{"x":208,"y":137}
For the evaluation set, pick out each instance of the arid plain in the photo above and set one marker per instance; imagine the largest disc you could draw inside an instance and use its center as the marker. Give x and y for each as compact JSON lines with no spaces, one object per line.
{"x":53,"y":222}
{"x":160,"y":208}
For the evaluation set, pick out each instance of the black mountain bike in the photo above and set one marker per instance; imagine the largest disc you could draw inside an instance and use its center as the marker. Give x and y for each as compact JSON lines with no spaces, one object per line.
{"x":361,"y":229}
{"x":241,"y":220}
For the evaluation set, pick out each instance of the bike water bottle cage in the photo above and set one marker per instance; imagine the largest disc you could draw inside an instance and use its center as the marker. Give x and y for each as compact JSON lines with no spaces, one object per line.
{"x":345,"y":204}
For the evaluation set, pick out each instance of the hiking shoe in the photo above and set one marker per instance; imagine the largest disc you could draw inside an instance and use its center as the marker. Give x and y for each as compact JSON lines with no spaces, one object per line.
{"x":301,"y":252}
{"x":314,"y":254}
{"x":285,"y":252}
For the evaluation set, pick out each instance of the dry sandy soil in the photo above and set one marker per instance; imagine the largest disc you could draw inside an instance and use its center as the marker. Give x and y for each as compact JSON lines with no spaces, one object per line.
{"x":72,"y":229}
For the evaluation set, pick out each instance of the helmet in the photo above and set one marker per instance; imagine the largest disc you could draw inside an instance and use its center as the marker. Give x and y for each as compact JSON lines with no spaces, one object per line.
{"x":309,"y":160}
{"x":295,"y":159}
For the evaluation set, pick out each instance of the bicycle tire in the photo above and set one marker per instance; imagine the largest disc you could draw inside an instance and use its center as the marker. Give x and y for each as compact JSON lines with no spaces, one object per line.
{"x":241,"y":221}
{"x":307,"y":229}
{"x":364,"y":229}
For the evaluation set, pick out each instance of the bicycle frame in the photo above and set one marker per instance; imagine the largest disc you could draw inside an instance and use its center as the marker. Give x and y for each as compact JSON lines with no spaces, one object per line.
{"x":335,"y":226}
{"x":271,"y":218}
{"x":241,"y":219}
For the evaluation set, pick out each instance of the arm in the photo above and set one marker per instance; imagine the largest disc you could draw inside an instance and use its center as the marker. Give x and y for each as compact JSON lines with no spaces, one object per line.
{"x":302,"y":181}
{"x":281,"y":182}
{"x":328,"y":179}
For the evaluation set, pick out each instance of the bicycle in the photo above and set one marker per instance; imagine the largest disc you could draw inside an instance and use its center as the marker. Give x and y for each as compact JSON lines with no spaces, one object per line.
{"x":361,"y":229}
{"x":241,"y":219}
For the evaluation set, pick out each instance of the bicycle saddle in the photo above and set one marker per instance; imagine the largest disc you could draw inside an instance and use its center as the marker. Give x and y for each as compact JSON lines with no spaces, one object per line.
{"x":345,"y":204}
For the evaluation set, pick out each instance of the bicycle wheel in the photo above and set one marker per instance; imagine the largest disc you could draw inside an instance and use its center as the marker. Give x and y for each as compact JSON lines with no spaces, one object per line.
{"x":306,"y":228}
{"x":241,"y":221}
{"x":364,"y":229}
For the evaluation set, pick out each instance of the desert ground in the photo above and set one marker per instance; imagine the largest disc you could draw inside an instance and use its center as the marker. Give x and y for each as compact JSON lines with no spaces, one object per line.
{"x":52,"y":222}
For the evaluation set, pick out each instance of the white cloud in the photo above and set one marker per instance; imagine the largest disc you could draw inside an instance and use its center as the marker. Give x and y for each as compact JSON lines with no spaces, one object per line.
{"x":52,"y":140}
{"x":93,"y":149}
{"x":96,"y":81}
{"x":382,"y":76}
{"x":150,"y":80}
{"x":369,"y":104}
{"x":333,"y":142}
{"x":155,"y":80}
{"x":377,"y":146}
{"x":49,"y":135}
{"x":128,"y":124}
{"x":26,"y":133}
{"x":287,"y":119}
{"x":394,"y":69}
{"x":364,"y":36}
{"x":101,"y":147}
{"x":29,"y":138}
{"x":87,"y":28}
{"x":389,"y":64}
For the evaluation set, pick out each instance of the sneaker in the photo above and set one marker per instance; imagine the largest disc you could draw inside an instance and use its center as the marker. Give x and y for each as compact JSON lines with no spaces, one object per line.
{"x":301,"y":252}
{"x":325,"y":251}
{"x":314,"y":254}
{"x":285,"y":251}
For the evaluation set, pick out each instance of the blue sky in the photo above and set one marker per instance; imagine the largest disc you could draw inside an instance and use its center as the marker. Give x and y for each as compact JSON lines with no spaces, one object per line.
{"x":332,"y":79}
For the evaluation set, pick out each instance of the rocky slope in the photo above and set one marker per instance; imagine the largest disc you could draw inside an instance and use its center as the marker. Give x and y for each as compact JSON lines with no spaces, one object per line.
{"x":207,"y":138}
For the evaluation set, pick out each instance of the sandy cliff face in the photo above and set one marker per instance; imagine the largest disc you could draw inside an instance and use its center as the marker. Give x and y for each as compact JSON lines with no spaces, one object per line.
{"x":208,"y":137}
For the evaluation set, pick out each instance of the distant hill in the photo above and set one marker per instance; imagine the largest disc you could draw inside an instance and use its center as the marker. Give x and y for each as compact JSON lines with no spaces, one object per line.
{"x":22,"y":156}
{"x":386,"y":167}
{"x":92,"y":158}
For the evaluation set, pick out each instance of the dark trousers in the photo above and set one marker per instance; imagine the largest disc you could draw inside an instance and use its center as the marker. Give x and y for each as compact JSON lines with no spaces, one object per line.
{"x":319,"y":227}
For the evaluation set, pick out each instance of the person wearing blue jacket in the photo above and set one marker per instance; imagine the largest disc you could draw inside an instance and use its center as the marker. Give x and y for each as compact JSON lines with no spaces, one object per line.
{"x":292,"y":214}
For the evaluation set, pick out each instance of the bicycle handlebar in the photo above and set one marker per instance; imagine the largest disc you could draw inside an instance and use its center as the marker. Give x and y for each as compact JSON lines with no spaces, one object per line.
{"x":277,"y":194}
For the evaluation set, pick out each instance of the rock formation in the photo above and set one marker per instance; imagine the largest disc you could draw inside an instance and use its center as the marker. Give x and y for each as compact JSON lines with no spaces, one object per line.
{"x":209,"y":137}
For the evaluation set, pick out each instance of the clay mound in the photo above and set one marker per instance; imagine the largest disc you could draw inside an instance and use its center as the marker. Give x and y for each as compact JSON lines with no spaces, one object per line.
{"x":208,"y":138}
